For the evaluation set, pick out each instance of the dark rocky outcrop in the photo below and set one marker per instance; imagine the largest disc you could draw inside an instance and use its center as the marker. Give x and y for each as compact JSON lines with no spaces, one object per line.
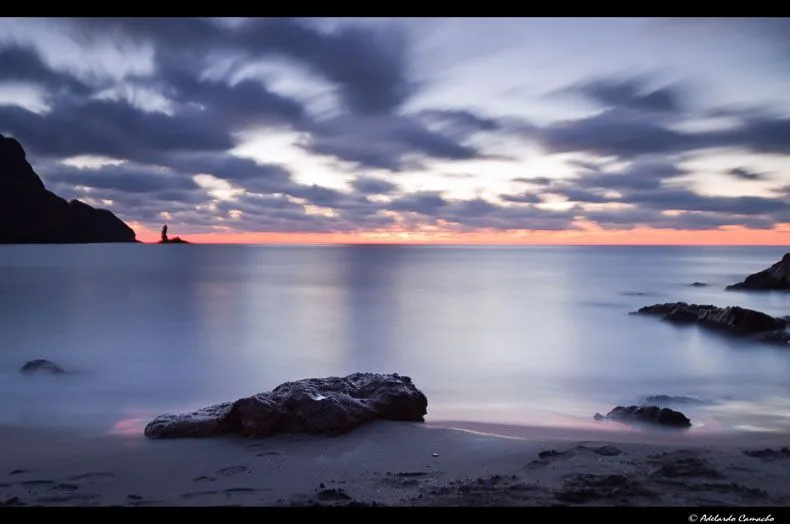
{"x":775,"y":278}
{"x":733,"y":320}
{"x":41,"y":365}
{"x":30,"y":214}
{"x":321,"y":406}
{"x":167,"y":240}
{"x":699,"y":284}
{"x":653,"y":415}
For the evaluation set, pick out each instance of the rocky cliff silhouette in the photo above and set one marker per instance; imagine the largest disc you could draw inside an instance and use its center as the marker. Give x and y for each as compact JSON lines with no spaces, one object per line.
{"x":30,"y":214}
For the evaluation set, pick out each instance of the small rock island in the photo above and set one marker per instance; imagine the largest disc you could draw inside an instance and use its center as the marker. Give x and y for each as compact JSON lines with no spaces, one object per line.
{"x":166,"y":240}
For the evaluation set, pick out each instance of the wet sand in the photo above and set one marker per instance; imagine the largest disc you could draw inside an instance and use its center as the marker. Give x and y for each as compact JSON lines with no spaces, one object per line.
{"x":397,"y":464}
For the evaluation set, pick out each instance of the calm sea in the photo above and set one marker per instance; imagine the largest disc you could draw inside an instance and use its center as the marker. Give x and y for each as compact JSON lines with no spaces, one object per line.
{"x":522,"y":335}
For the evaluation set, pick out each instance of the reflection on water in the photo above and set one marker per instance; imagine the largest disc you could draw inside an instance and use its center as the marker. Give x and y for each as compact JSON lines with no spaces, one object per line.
{"x":534,"y":336}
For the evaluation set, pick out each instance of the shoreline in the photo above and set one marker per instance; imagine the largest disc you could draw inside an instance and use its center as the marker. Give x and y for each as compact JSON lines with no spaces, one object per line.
{"x":439,"y":463}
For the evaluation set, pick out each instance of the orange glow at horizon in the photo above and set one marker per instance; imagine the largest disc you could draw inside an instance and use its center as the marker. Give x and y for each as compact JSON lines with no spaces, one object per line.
{"x":779,"y":236}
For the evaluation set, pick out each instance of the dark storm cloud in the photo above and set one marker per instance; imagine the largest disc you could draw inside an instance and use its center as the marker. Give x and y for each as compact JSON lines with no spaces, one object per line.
{"x":588,"y":196}
{"x":111,"y":128}
{"x":535,"y":181}
{"x":246,"y":103}
{"x":140,"y":207}
{"x":646,"y":175}
{"x":759,"y":134}
{"x":388,"y":142}
{"x":145,"y":207}
{"x":371,"y":72}
{"x":744,"y":174}
{"x":373,"y":186}
{"x":687,"y":200}
{"x":592,"y":185}
{"x":628,"y":134}
{"x":123,"y":178}
{"x":630,"y":218}
{"x":522,"y":198}
{"x":423,"y":202}
{"x":23,"y":63}
{"x":322,"y":196}
{"x":584,"y":165}
{"x":782,"y":191}
{"x":278,"y":214}
{"x":479,"y":213}
{"x":241,"y":172}
{"x":369,"y":66}
{"x":616,"y":132}
{"x":632,"y":93}
{"x":650,"y":188}
{"x":461,"y":124}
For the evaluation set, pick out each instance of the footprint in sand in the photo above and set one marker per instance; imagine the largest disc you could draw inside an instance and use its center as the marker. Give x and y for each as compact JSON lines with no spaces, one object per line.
{"x":90,"y":477}
{"x":36,"y":483}
{"x":66,"y":499}
{"x":232,"y":470}
{"x":65,"y":487}
{"x":204,"y":478}
{"x":548,"y":456}
{"x":267,"y":454}
{"x":228,"y":492}
{"x":224,"y":472}
{"x":404,"y":479}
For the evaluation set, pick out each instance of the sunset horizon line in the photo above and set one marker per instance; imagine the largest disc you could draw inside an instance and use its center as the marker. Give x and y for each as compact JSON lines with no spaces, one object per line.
{"x":636,"y":237}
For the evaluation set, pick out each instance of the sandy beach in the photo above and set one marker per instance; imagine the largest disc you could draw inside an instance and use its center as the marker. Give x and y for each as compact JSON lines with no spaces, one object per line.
{"x":396,"y":464}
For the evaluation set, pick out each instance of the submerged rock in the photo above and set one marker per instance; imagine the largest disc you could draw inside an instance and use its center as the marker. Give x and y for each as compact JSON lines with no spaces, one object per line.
{"x":733,"y":320}
{"x":649,"y":415}
{"x":775,"y":278}
{"x":41,"y":365}
{"x":322,"y":406}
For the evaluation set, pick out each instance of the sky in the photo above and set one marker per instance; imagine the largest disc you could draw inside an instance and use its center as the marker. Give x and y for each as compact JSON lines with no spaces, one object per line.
{"x":436,"y":130}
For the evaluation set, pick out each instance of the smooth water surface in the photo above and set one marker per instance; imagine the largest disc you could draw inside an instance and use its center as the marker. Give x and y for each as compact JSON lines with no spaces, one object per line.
{"x":523,"y":335}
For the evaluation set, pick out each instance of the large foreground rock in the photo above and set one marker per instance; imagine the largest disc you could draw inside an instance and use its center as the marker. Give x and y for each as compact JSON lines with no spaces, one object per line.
{"x":647,"y":415}
{"x":733,"y":320}
{"x":775,"y":278}
{"x":30,"y":214}
{"x":320,"y":406}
